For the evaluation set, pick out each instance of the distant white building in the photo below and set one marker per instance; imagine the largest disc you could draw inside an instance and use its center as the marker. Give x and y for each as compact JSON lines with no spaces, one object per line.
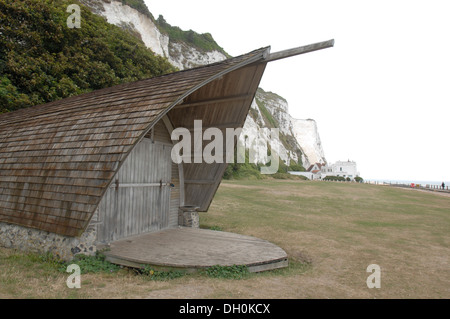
{"x":340,"y":168}
{"x":313,"y":172}
{"x":319,"y":171}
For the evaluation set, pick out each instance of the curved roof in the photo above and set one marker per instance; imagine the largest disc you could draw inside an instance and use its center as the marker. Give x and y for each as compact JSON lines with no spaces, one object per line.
{"x":58,"y":159}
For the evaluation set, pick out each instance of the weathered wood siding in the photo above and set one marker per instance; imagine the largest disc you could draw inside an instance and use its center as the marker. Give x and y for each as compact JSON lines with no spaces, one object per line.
{"x":160,"y":134}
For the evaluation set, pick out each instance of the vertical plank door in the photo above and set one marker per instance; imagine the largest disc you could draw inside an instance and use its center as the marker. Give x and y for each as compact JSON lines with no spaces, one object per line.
{"x":139,"y":199}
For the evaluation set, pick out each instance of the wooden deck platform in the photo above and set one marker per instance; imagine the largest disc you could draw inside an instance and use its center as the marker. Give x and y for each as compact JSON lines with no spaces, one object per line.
{"x":191,"y":249}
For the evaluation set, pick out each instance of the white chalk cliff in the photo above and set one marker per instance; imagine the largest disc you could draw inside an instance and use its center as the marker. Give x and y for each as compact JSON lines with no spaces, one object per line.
{"x":179,"y":54}
{"x":299,"y":138}
{"x":307,"y":135}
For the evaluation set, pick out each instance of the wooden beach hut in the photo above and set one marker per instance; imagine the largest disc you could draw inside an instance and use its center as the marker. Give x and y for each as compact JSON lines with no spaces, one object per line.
{"x":96,"y":169}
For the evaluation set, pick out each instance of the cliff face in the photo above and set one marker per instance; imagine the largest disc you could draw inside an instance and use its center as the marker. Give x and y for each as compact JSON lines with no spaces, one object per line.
{"x":299,"y":139}
{"x":256,"y":130}
{"x":307,"y":135}
{"x":179,"y":54}
{"x":128,"y":18}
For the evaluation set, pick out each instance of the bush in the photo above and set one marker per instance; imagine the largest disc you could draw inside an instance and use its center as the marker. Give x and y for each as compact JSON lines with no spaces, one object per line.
{"x":253,"y":171}
{"x":295,"y":167}
{"x":359,"y":179}
{"x":334,"y":178}
{"x":242,"y":171}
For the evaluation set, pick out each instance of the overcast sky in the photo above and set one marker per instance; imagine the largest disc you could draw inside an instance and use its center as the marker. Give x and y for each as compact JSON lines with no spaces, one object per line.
{"x":380,"y":96}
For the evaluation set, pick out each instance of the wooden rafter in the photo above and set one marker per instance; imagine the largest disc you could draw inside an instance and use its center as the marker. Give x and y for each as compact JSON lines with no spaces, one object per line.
{"x":226,"y":99}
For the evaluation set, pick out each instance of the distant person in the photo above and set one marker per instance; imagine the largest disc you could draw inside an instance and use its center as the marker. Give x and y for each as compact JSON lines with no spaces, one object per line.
{"x":443,"y":185}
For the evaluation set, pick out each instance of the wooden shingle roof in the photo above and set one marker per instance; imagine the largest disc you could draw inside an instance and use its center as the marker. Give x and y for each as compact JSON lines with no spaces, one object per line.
{"x":58,"y":159}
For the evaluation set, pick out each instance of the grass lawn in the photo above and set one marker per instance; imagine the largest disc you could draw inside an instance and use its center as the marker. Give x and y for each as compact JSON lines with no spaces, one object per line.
{"x":331,"y":232}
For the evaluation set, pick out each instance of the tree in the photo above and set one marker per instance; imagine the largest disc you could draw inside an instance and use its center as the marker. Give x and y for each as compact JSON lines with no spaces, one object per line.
{"x":42,"y":60}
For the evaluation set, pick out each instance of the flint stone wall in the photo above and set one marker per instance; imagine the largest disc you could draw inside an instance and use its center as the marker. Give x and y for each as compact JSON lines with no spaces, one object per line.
{"x":42,"y":242}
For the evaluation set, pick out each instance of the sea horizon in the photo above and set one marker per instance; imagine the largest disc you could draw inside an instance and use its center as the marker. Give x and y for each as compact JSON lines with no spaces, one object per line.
{"x":408,"y":181}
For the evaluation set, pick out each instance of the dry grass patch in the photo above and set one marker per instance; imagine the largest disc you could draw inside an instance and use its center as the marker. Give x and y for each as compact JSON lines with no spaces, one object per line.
{"x":345,"y":227}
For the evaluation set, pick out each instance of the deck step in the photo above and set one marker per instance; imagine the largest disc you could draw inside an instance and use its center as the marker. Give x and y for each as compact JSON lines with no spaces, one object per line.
{"x":191,"y":249}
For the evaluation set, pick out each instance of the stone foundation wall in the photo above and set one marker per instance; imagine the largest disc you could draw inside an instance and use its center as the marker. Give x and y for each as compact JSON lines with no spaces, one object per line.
{"x":39,"y":241}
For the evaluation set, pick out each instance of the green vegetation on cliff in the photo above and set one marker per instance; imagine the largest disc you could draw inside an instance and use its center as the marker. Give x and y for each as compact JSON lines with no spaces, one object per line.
{"x":203,"y":42}
{"x":139,"y":5}
{"x":42,"y":59}
{"x":249,"y":170}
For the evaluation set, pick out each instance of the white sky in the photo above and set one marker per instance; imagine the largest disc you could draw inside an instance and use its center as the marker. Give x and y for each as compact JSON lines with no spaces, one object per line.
{"x":380,"y":96}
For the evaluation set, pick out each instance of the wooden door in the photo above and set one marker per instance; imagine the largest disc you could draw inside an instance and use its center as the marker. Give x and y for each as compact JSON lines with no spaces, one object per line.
{"x":139,"y":199}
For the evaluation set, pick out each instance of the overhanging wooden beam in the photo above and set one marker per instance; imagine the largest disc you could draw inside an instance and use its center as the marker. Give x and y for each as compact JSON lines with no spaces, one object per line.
{"x":220,"y":126}
{"x":300,"y":50}
{"x":227,"y":99}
